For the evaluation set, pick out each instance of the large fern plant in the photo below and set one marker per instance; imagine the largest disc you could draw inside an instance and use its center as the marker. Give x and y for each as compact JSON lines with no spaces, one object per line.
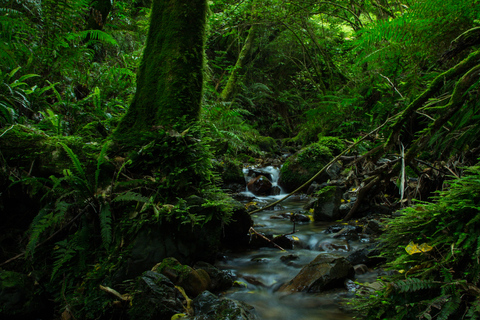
{"x":76,"y":199}
{"x":433,"y":250}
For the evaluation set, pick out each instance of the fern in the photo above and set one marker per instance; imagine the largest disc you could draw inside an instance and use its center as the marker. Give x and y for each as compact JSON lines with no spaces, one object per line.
{"x":415,"y":284}
{"x":77,"y":165}
{"x":98,"y":35}
{"x":63,"y":254}
{"x":131,"y":196}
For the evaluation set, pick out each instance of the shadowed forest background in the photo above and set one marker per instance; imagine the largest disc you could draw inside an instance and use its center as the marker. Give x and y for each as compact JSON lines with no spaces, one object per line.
{"x":125,"y":127}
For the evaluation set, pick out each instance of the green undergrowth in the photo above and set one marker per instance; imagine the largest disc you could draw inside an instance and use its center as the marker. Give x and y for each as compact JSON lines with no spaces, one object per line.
{"x":435,"y":261}
{"x":101,"y":197}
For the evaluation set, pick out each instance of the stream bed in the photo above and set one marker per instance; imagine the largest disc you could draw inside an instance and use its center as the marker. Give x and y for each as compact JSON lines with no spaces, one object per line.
{"x":261,"y":272}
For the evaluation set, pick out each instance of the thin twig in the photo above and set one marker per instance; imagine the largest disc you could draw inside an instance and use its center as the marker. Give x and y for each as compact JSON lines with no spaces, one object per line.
{"x":265,"y":238}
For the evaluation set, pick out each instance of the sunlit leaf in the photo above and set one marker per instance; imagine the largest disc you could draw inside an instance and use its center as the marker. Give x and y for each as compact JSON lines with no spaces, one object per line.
{"x":415,"y":248}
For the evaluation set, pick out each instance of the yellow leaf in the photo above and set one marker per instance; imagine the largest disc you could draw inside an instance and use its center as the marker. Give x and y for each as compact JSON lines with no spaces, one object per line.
{"x":178,"y":316}
{"x":415,"y":248}
{"x":295,"y":238}
{"x":239,"y":284}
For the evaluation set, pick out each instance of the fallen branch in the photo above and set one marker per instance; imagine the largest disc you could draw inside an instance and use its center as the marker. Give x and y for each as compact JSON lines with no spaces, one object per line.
{"x":323,"y":169}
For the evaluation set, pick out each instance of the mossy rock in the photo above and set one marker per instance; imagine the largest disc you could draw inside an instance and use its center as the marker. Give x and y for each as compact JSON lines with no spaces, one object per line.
{"x":267,"y":144}
{"x":326,"y":207}
{"x":303,"y":165}
{"x":231,"y":171}
{"x":335,"y":144}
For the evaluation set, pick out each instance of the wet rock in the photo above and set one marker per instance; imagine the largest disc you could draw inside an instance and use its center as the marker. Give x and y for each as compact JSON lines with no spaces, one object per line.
{"x":326,"y":271}
{"x":18,"y":299}
{"x":208,"y":307}
{"x":289,"y":257}
{"x":299,"y":217}
{"x":286,"y":241}
{"x":155,"y":298}
{"x":360,"y":269}
{"x":252,"y":173}
{"x":220,"y":280}
{"x":373,"y":227}
{"x":192,"y":281}
{"x":326,"y":208}
{"x":254,"y":281}
{"x":260,"y":186}
{"x":330,"y":245}
{"x":337,"y":228}
{"x":351,"y":286}
{"x":366,"y":256}
{"x":345,"y":208}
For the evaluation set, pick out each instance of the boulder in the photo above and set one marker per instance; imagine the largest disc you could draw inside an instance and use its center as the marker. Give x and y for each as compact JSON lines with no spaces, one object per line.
{"x":155,"y":298}
{"x":367,"y":256}
{"x":326,"y":271}
{"x":208,"y":306}
{"x":260,"y":186}
{"x":220,"y":280}
{"x":303,"y":165}
{"x":326,"y":208}
{"x":192,"y":281}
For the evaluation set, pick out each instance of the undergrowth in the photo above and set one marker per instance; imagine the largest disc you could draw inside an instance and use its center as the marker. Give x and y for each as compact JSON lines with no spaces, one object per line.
{"x":435,"y":261}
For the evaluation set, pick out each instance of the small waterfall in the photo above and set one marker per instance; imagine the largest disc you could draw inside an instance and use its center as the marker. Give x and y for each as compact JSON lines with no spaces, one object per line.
{"x":272,"y":173}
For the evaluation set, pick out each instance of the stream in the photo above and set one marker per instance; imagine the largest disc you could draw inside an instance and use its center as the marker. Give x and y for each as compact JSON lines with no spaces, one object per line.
{"x":261,"y":272}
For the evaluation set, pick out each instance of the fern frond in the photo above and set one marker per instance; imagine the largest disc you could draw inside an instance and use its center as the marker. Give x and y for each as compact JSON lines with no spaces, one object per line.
{"x":415,"y":284}
{"x":98,"y":35}
{"x":63,"y":254}
{"x":77,"y":165}
{"x":131,"y":196}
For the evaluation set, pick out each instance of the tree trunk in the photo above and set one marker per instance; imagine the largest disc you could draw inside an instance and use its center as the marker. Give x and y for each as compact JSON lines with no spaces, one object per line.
{"x":170,"y":77}
{"x":229,"y":89}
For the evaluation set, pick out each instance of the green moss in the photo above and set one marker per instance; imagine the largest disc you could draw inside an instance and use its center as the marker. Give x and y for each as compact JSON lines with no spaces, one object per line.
{"x":300,"y":167}
{"x":326,"y":193}
{"x":245,"y":158}
{"x":170,"y":78}
{"x":171,"y":265}
{"x":267,"y":144}
{"x":336,"y":145}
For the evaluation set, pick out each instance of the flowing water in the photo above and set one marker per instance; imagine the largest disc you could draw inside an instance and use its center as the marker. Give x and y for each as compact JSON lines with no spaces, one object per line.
{"x":261,"y":272}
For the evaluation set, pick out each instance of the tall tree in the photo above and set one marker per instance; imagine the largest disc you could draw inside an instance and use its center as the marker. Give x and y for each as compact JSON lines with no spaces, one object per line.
{"x":170,"y":77}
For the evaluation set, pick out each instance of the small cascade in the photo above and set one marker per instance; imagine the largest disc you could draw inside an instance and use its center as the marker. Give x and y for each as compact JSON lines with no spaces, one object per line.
{"x":272,"y":173}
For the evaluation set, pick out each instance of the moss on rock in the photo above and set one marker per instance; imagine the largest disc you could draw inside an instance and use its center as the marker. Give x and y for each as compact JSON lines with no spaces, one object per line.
{"x":303,"y":165}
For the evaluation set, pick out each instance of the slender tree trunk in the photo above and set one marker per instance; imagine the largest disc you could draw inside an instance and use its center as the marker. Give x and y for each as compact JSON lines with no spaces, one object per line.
{"x":229,"y":89}
{"x":170,"y":77}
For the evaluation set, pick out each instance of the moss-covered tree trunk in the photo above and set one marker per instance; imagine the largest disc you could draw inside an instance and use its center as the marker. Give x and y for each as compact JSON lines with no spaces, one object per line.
{"x":170,"y":77}
{"x":229,"y":89}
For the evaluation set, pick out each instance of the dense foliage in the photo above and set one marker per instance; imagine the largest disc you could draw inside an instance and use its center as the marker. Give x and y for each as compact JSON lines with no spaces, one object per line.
{"x":278,"y":76}
{"x":435,"y":259}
